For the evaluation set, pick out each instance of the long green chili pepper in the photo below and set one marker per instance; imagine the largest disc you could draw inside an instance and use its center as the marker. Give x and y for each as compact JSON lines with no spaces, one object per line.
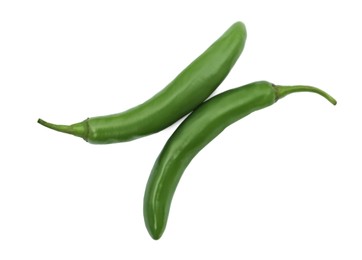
{"x":190,"y":88}
{"x":195,"y":132}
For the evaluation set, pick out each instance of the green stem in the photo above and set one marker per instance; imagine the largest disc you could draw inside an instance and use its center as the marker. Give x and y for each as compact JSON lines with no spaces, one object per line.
{"x":79,"y":129}
{"x":282,"y":91}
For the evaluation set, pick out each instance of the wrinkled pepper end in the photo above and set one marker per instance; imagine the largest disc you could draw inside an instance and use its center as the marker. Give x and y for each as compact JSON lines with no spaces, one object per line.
{"x":282,"y":91}
{"x":78,"y":129}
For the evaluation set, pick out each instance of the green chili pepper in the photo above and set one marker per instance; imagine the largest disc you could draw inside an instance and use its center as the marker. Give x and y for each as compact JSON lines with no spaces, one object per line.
{"x":195,"y":132}
{"x":190,"y":88}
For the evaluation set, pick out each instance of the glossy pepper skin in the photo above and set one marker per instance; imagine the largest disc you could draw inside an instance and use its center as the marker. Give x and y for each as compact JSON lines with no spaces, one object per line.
{"x":190,"y":88}
{"x":194,"y":133}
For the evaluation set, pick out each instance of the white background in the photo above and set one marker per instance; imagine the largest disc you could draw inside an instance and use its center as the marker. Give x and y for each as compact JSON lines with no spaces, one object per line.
{"x":283,"y":183}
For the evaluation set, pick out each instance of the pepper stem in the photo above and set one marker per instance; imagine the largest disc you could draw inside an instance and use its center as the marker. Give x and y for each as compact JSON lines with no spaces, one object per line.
{"x":282,"y":91}
{"x":78,"y":129}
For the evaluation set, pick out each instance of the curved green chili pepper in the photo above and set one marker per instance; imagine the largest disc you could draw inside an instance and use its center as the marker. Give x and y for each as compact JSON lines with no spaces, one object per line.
{"x":190,"y":88}
{"x":195,"y":132}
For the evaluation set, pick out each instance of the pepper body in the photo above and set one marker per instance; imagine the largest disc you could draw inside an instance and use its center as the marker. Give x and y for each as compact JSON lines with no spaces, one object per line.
{"x":194,"y":133}
{"x":190,"y":88}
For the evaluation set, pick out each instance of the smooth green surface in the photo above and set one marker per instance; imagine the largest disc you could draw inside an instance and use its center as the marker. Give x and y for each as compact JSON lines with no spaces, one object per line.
{"x":190,"y":88}
{"x":194,"y":133}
